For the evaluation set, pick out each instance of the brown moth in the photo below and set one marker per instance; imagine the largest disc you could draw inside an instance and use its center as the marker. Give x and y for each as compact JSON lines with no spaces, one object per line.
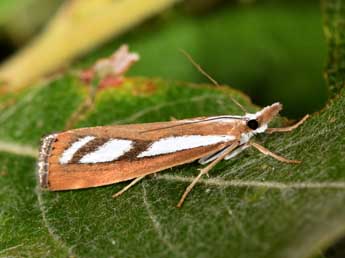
{"x":96,"y":156}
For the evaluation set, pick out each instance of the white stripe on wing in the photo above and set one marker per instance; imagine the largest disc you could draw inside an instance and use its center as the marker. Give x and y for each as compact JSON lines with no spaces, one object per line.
{"x":179,"y":143}
{"x":109,"y":151}
{"x":67,"y":155}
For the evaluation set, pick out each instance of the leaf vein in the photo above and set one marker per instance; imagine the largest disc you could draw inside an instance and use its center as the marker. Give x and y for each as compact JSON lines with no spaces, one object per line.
{"x":10,"y":248}
{"x":251,"y":183}
{"x":12,"y":109}
{"x":19,"y":149}
{"x":158,"y":107}
{"x":50,"y":230}
{"x":157,"y":226}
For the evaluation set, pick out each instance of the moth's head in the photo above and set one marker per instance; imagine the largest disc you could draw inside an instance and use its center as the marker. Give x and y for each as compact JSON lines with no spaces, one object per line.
{"x":258,"y":122}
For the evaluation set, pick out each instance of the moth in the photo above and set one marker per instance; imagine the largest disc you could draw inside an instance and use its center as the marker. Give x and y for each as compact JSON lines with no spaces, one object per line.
{"x":96,"y":156}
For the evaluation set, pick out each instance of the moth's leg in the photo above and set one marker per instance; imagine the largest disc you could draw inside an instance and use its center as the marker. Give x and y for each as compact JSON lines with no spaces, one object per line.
{"x":204,"y":171}
{"x":207,"y":159}
{"x":237,"y":151}
{"x":213,"y":156}
{"x":128,"y":186}
{"x":289,"y":128}
{"x":265,"y":151}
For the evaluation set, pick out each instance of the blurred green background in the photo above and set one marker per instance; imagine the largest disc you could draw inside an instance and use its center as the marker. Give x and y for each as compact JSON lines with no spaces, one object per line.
{"x":270,"y":50}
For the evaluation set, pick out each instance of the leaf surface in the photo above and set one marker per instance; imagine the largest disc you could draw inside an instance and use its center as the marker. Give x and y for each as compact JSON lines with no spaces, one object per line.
{"x":252,"y":206}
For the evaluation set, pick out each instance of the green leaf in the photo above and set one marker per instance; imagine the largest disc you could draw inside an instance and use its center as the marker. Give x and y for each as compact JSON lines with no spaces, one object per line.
{"x":251,"y":206}
{"x":24,"y":232}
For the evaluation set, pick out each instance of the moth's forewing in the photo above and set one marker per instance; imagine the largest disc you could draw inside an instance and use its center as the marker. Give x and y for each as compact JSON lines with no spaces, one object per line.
{"x":72,"y":174}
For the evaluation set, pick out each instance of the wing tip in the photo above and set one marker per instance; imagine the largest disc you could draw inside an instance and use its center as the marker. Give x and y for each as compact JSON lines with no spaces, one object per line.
{"x":43,"y":166}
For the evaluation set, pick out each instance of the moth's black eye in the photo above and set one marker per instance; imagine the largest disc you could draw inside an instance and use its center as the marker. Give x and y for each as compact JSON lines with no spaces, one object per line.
{"x":253,"y":124}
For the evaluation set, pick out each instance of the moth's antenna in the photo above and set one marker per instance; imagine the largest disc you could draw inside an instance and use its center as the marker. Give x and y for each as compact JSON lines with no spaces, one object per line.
{"x":201,"y":70}
{"x":195,"y":122}
{"x":239,"y":105}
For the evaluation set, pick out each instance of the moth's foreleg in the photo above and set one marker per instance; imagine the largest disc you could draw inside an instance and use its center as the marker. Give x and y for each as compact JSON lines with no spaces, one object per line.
{"x":237,"y":151}
{"x":204,"y":171}
{"x":265,"y":151}
{"x":234,"y":153}
{"x":289,"y":128}
{"x":211,"y":157}
{"x":128,"y":186}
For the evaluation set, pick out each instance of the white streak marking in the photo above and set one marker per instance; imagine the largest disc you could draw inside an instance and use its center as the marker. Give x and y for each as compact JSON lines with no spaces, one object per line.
{"x":109,"y":151}
{"x":68,"y":154}
{"x":179,"y":143}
